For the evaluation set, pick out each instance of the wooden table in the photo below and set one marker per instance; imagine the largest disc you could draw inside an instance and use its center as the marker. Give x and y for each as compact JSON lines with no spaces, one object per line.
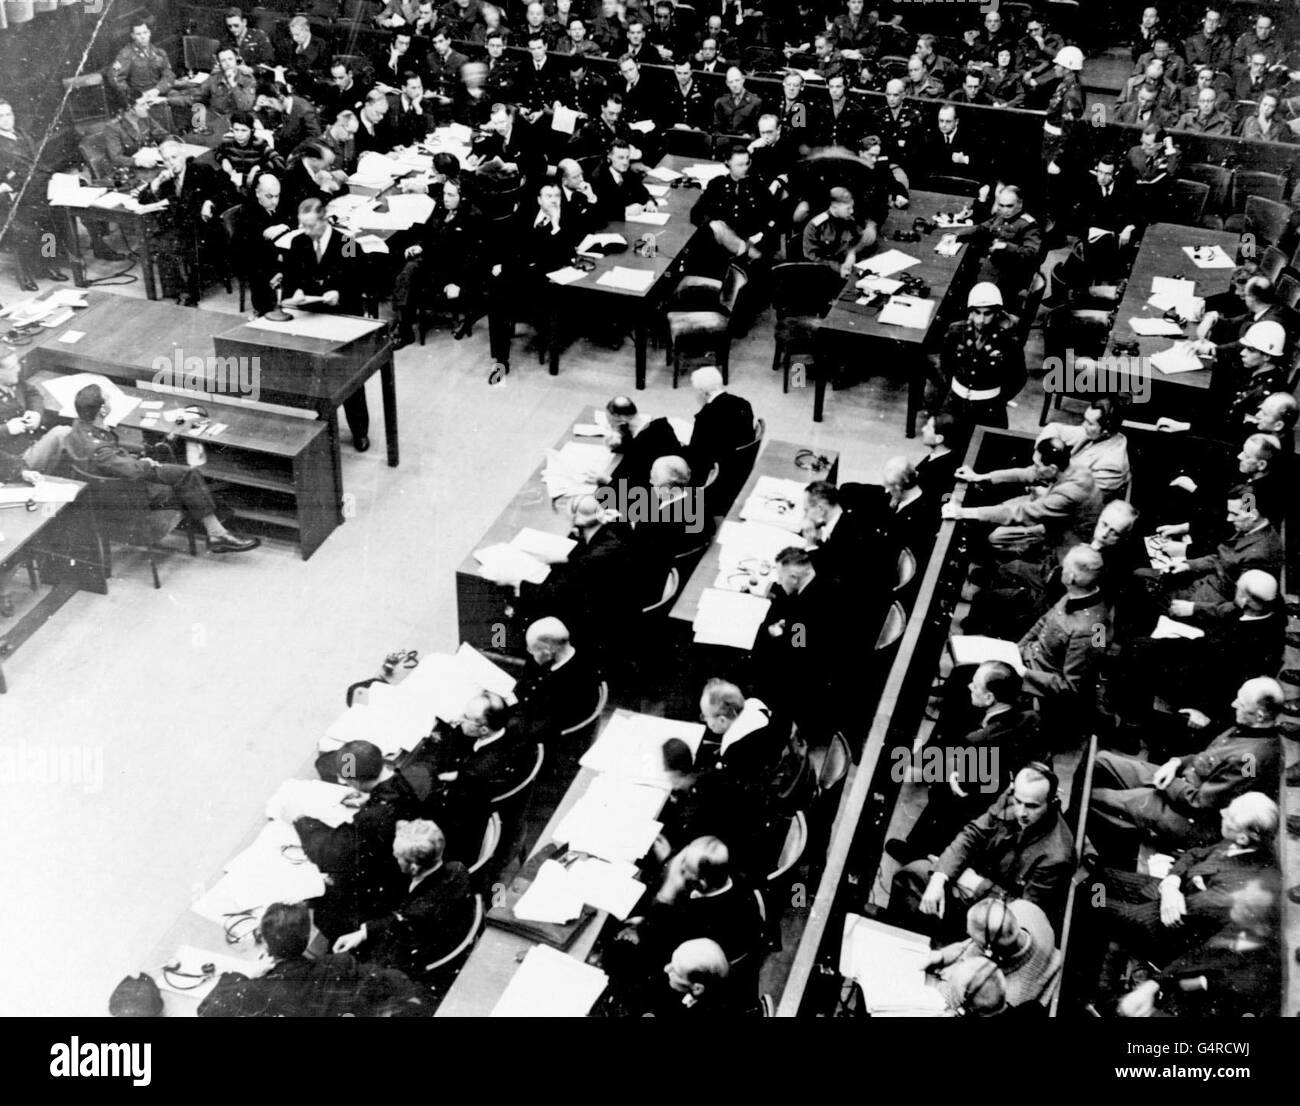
{"x":586,"y":299}
{"x":144,"y":223}
{"x":65,"y":538}
{"x":854,"y":329}
{"x":1182,"y":395}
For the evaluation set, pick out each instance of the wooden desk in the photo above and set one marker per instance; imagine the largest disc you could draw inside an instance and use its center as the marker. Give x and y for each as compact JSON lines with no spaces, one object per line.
{"x":60,"y":539}
{"x":496,"y":957}
{"x":481,"y":603}
{"x":277,"y":471}
{"x":1183,"y":395}
{"x":588,"y":299}
{"x":143,"y":223}
{"x":853,"y":328}
{"x":776,"y":459}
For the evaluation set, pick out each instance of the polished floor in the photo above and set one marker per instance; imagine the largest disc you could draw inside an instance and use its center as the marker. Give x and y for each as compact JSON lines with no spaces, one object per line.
{"x":144,"y":730}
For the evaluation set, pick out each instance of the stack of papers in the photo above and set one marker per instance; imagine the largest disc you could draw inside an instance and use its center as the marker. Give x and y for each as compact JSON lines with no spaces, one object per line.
{"x":560,"y":891}
{"x":564,"y":120}
{"x":548,"y":548}
{"x":1209,"y":257}
{"x":597,"y":243}
{"x":1178,"y":358}
{"x":1154,"y":328}
{"x":873,"y":283}
{"x":663,"y":174}
{"x":442,"y":683}
{"x":576,"y":468}
{"x":312,"y":799}
{"x":888,"y":963}
{"x":271,"y":869}
{"x":66,"y":189}
{"x":44,"y":491}
{"x":908,"y":311}
{"x":729,"y":618}
{"x":1167,"y":628}
{"x":631,"y":746}
{"x":776,"y":502}
{"x":391,"y":718}
{"x":630,"y":280}
{"x":614,"y":819}
{"x":888,"y":263}
{"x":1187,"y":307}
{"x":506,"y":564}
{"x":567,"y":275}
{"x":976,"y":649}
{"x":375,"y":170}
{"x":550,"y":898}
{"x":64,"y":391}
{"x":753,"y":542}
{"x":549,"y":984}
{"x":702,"y":173}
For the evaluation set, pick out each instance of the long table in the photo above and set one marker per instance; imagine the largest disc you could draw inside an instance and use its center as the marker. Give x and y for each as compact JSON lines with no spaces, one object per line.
{"x":588,"y":299}
{"x":850,"y":328}
{"x":1183,"y":395}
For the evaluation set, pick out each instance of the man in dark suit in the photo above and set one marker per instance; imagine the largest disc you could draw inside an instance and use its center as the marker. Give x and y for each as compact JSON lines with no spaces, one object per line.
{"x":400,"y":57}
{"x":290,"y":119}
{"x":557,"y":688}
{"x":254,"y":255}
{"x":375,"y":130}
{"x":741,"y":743}
{"x":320,"y":263}
{"x":306,"y":58}
{"x":410,"y":114}
{"x":537,"y":78}
{"x":723,"y":424}
{"x":686,"y":105}
{"x":308,"y":175}
{"x":197,"y":193}
{"x":638,"y":440}
{"x":950,"y":150}
{"x":1007,"y":734}
{"x":618,"y":186}
{"x":578,"y":202}
{"x":513,"y":140}
{"x":597,"y":133}
{"x":846,"y":547}
{"x":1107,"y":223}
{"x":430,"y":918}
{"x":443,"y":64}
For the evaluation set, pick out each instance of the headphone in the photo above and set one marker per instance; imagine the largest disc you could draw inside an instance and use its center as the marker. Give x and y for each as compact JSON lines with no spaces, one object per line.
{"x":237,"y":927}
{"x":812,"y":460}
{"x":1045,"y":770}
{"x":171,"y":972}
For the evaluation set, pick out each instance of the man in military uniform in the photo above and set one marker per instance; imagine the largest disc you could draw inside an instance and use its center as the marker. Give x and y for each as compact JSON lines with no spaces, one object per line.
{"x":843,"y":122}
{"x":686,"y":104}
{"x":1011,"y":243}
{"x":1153,"y":167}
{"x":836,"y":237}
{"x":24,"y":180}
{"x":132,"y":138}
{"x":982,"y":362}
{"x":95,"y":448}
{"x":252,"y":45}
{"x":738,"y":210}
{"x":142,"y":67}
{"x":1206,"y":118}
{"x":900,"y":126}
{"x":1068,"y":93}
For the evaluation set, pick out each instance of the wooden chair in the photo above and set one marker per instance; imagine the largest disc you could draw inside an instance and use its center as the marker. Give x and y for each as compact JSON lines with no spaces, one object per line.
{"x":1288,"y":290}
{"x":602,"y":700}
{"x":671,"y":584}
{"x":443,"y":971}
{"x":1267,"y":220}
{"x":799,"y":300}
{"x":1188,"y":202}
{"x":796,"y":840}
{"x":228,"y":218}
{"x":94,"y":152}
{"x":1255,"y":182}
{"x":1217,"y":179}
{"x":905,"y":570}
{"x":487,"y":848}
{"x":199,"y":53}
{"x":709,"y":326}
{"x":87,"y":99}
{"x":1272,"y":263}
{"x":123,"y":513}
{"x":891,"y":630}
{"x":501,"y":800}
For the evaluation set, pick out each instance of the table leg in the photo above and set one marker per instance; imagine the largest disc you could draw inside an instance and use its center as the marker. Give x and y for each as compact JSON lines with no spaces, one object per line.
{"x":639,"y":335}
{"x":331,"y":418}
{"x":146,"y":260}
{"x":74,"y":248}
{"x":819,"y":393}
{"x":388,"y":384}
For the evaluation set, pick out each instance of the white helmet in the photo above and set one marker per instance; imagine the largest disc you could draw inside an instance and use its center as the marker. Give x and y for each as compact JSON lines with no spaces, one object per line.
{"x":1070,"y":57}
{"x":1267,"y":337}
{"x":987,"y":294}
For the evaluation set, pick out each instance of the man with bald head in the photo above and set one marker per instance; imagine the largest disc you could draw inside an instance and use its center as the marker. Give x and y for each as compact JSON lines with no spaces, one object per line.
{"x":558,"y":686}
{"x":577,"y":197}
{"x":254,"y":254}
{"x":1010,"y":242}
{"x":723,"y":424}
{"x":901,"y":127}
{"x":1177,"y":802}
{"x":697,"y":981}
{"x":737,"y":110}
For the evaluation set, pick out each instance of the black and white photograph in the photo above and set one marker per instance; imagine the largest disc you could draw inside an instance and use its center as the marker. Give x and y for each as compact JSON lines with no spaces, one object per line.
{"x":646,"y":509}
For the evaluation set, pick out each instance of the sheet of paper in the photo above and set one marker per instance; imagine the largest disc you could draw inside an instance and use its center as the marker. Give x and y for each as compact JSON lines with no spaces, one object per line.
{"x":1173,"y":286}
{"x":1168,"y":628}
{"x":410,"y":205}
{"x":564,"y":120}
{"x":484,"y":673}
{"x":615,"y":819}
{"x":64,"y":389}
{"x":551,"y":897}
{"x":658,"y":191}
{"x":507,"y":565}
{"x":548,"y":548}
{"x":907,"y":311}
{"x":568,"y":275}
{"x":1154,"y":328}
{"x":632,"y":280}
{"x":549,"y":984}
{"x":311,"y":799}
{"x":631,"y":746}
{"x":320,"y":324}
{"x":729,"y":618}
{"x":888,"y":263}
{"x":46,"y":490}
{"x":612,"y":887}
{"x":660,"y":173}
{"x":703,"y":172}
{"x":775,"y":502}
{"x":873,"y":283}
{"x":759,"y":541}
{"x":1191,"y":308}
{"x":1178,"y":358}
{"x":650,"y":218}
{"x":643,"y":126}
{"x":888,"y":963}
{"x":71,"y":337}
{"x":596,"y":242}
{"x":1209,"y":257}
{"x":586,"y":457}
{"x":976,"y":649}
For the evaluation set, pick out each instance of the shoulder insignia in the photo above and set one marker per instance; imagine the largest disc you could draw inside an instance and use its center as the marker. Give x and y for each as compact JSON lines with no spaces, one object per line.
{"x":818,"y":220}
{"x":1027,"y":217}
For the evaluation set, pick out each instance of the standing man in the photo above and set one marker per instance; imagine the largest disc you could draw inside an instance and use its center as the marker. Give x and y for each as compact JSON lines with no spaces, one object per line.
{"x":982,"y":362}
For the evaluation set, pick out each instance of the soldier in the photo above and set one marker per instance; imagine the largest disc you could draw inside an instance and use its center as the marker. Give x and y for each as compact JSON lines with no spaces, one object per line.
{"x":141,"y":67}
{"x":253,"y":46}
{"x":737,"y":209}
{"x":900,"y":126}
{"x":1153,"y":165}
{"x":1011,"y":242}
{"x":886,"y":189}
{"x":1206,"y":118}
{"x":982,"y":362}
{"x":836,"y":237}
{"x":844,"y":122}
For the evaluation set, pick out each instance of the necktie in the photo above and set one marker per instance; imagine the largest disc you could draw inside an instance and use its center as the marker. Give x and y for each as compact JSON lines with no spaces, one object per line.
{"x":320,"y":249}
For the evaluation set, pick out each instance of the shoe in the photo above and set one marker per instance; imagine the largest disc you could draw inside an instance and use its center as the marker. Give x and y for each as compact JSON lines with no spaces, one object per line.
{"x":1293,"y":893}
{"x":228,"y":543}
{"x":900,"y":850}
{"x":402,"y":339}
{"x":1293,"y":824}
{"x":54,"y":274}
{"x":188,"y":301}
{"x":104,"y":253}
{"x":6,"y":606}
{"x":27,"y":284}
{"x":361,"y":444}
{"x":463,"y":331}
{"x":1293,"y":775}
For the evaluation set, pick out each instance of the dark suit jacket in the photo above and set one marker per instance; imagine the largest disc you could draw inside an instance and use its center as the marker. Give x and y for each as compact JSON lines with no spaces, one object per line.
{"x":551,"y":700}
{"x":936,"y":154}
{"x":730,"y":918}
{"x":1113,"y":212}
{"x":657,"y":439}
{"x":722,"y":426}
{"x":297,"y":127}
{"x":858,"y":563}
{"x":613,"y":196}
{"x":334,"y":271}
{"x":535,"y":89}
{"x":1015,"y":734}
{"x":202,"y":182}
{"x":428,"y":922}
{"x":331,"y":986}
{"x":382,"y":139}
{"x":251,"y":254}
{"x":409,"y":127}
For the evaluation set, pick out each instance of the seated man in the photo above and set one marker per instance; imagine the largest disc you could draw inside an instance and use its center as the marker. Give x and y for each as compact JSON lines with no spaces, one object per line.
{"x":558,"y":686}
{"x":723,"y":424}
{"x":1176,"y":802}
{"x":836,"y":239}
{"x":670,"y":522}
{"x":1010,"y":244}
{"x":432,"y":916}
{"x":95,"y":449}
{"x":357,"y":855}
{"x":1159,"y":919}
{"x":620,"y":190}
{"x":196,"y":193}
{"x":1008,"y":729}
{"x":23,"y":449}
{"x":697,"y":982}
{"x":909,"y":518}
{"x":295,"y":986}
{"x":741,"y":742}
{"x":1016,"y":936}
{"x":1020,"y":848}
{"x":1210,"y":580}
{"x":638,"y":440}
{"x":1098,"y":444}
{"x":1060,"y":508}
{"x":320,"y":264}
{"x":254,"y":254}
{"x":845,"y":544}
{"x":936,"y":471}
{"x":738,"y":210}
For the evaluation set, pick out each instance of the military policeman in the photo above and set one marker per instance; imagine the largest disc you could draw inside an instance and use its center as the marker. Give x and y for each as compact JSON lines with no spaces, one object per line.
{"x":982,"y":361}
{"x":140,"y":66}
{"x":836,"y":237}
{"x":1011,"y":242}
